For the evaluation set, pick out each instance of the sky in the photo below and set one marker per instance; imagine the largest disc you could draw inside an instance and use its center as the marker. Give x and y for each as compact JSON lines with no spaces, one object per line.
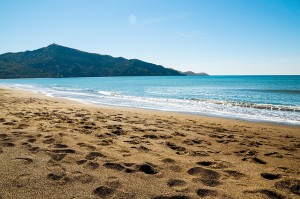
{"x":219,"y":37}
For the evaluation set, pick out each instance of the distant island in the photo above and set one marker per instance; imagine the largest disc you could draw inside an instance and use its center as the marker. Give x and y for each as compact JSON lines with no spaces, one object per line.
{"x":191,"y":73}
{"x":55,"y":61}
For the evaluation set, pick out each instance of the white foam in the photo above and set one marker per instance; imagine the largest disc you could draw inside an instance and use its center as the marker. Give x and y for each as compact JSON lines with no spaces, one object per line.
{"x":107,"y":93}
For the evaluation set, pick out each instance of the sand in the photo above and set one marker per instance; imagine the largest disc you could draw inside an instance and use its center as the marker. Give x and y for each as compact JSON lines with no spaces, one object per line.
{"x":56,"y":148}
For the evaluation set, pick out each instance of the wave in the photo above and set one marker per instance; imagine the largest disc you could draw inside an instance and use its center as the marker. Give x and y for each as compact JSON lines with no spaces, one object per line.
{"x":107,"y":97}
{"x":204,"y":107}
{"x":106,"y":93}
{"x":271,"y":107}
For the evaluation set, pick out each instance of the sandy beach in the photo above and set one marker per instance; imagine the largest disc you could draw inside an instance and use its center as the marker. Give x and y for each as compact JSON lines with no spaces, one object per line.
{"x":57,"y":148}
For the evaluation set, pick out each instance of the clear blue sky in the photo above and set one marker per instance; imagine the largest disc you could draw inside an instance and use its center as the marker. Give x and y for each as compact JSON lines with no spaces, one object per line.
{"x":214,"y":36}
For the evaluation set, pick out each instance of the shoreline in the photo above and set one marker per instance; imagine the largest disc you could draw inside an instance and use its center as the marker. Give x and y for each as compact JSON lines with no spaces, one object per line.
{"x":153,"y":111}
{"x":59,"y":148}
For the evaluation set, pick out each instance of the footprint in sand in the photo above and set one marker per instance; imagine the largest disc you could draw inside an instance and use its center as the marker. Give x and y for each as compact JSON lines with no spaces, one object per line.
{"x":205,"y":163}
{"x":175,"y":168}
{"x":147,"y":169}
{"x":21,"y":180}
{"x":49,"y":141}
{"x":206,"y":192}
{"x":3,"y":138}
{"x":113,"y":183}
{"x":6,"y":139}
{"x":7,"y":144}
{"x":168,"y":160}
{"x":192,"y":142}
{"x":118,"y":132}
{"x":60,"y":146}
{"x":85,"y":178}
{"x":205,"y":176}
{"x":199,"y":153}
{"x":270,"y":176}
{"x":63,"y":151}
{"x":82,"y":177}
{"x":92,"y":165}
{"x":179,"y":149}
{"x":93,"y":155}
{"x":114,"y":166}
{"x":207,"y":182}
{"x":106,"y":142}
{"x":176,"y":183}
{"x":235,"y":174}
{"x":55,"y":176}
{"x":31,"y":140}
{"x":258,"y":160}
{"x":274,"y":154}
{"x":57,"y":172}
{"x":57,"y":156}
{"x":85,"y":145}
{"x":25,"y":144}
{"x":33,"y":149}
{"x":80,"y":162}
{"x":215,"y":165}
{"x":151,"y":136}
{"x":25,"y":160}
{"x":292,"y":185}
{"x":104,"y":191}
{"x":179,"y":134}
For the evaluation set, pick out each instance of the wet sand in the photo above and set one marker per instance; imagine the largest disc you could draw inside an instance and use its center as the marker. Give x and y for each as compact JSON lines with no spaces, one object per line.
{"x":56,"y":148}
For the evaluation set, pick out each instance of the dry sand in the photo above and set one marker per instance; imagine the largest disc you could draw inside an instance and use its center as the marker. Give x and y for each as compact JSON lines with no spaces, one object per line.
{"x":55,"y":148}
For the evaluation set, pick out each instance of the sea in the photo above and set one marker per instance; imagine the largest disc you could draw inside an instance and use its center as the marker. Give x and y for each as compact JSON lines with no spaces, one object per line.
{"x":274,"y":99}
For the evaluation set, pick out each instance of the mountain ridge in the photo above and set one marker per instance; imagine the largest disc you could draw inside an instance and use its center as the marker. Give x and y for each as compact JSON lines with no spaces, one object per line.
{"x":56,"y":61}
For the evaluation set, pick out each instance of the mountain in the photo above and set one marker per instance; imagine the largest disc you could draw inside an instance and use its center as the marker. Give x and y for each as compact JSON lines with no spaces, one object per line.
{"x":191,"y":73}
{"x":55,"y":61}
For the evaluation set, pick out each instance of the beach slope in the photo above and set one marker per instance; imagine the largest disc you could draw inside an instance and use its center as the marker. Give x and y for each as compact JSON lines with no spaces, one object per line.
{"x":56,"y":148}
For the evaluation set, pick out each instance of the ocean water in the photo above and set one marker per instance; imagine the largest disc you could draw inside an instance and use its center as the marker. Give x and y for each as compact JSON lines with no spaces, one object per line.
{"x":255,"y":98}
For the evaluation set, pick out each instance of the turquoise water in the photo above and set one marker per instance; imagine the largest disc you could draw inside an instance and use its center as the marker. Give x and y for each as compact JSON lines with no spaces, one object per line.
{"x":255,"y":98}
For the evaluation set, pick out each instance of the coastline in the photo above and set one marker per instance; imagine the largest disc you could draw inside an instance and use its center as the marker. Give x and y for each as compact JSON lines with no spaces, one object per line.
{"x":61,"y":148}
{"x":208,"y":117}
{"x":265,"y":103}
